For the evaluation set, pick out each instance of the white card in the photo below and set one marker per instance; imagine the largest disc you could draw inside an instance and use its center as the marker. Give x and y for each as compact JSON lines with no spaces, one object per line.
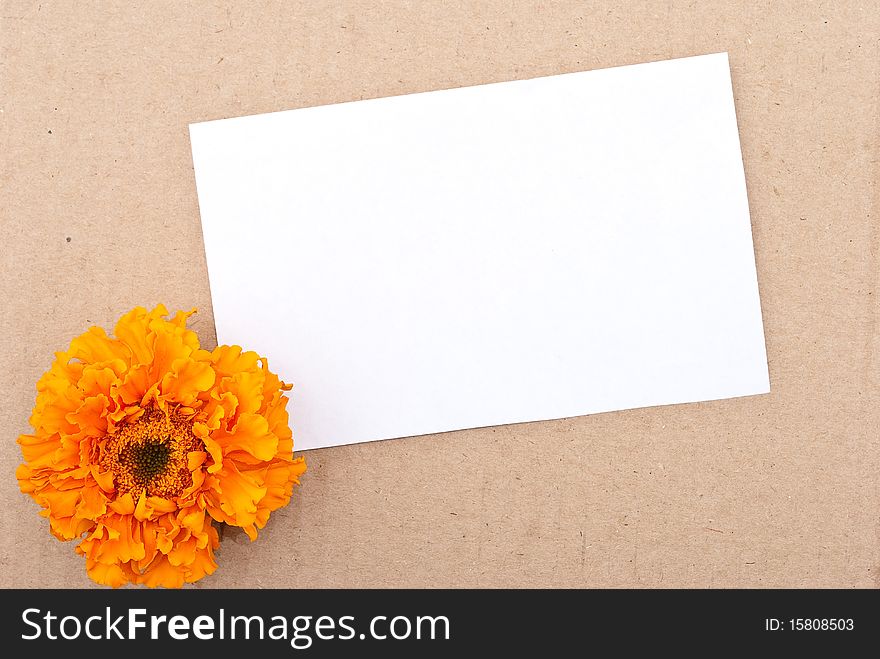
{"x":487,"y":255}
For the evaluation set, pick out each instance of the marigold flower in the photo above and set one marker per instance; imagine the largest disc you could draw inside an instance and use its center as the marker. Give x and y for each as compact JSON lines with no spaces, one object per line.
{"x":141,"y":442}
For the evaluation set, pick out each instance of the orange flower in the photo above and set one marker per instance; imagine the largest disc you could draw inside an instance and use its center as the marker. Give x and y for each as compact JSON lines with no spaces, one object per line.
{"x":142,"y":441}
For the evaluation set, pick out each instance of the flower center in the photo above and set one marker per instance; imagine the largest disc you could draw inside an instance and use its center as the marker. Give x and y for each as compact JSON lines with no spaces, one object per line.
{"x":151,"y":454}
{"x":145,"y":461}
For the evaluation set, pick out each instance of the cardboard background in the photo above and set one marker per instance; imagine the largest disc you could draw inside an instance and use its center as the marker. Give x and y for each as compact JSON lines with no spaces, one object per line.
{"x":98,"y":213}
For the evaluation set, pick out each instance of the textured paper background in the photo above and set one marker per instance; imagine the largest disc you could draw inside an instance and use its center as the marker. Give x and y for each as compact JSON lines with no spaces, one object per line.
{"x":98,"y":212}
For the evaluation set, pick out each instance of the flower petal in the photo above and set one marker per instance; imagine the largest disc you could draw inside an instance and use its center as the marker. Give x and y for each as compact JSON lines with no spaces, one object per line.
{"x":251,"y":435}
{"x":186,"y":380}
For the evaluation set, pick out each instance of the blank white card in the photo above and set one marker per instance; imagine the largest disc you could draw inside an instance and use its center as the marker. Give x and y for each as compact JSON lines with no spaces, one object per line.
{"x":487,"y":255}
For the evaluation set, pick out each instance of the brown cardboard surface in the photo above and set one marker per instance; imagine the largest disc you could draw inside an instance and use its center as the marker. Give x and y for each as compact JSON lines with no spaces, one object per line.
{"x":98,"y":213}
